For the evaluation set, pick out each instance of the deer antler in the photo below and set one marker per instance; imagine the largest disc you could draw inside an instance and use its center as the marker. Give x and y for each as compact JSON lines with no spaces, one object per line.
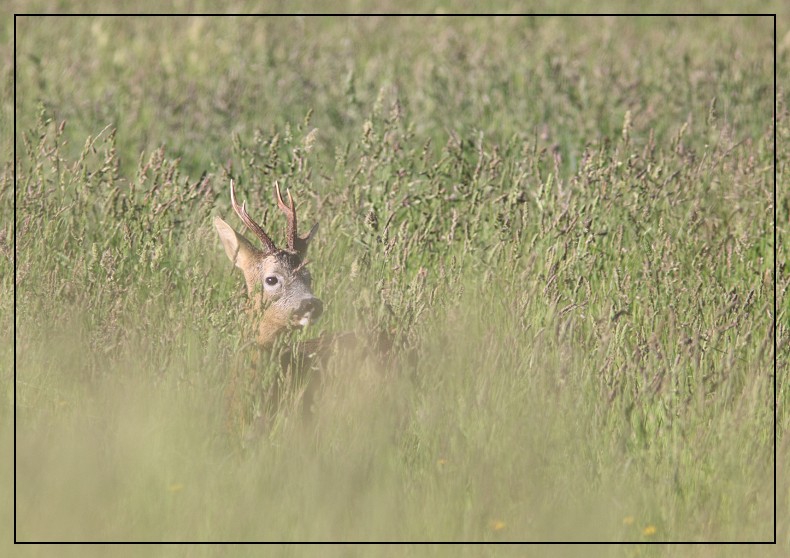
{"x":252,"y":225}
{"x":296,"y":244}
{"x":290,"y":214}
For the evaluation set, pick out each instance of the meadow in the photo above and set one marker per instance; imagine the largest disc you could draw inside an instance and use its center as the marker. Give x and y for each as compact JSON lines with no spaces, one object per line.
{"x":563,"y":226}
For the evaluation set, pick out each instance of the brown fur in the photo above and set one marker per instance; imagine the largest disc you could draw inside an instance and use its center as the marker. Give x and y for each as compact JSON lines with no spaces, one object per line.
{"x":274,"y":309}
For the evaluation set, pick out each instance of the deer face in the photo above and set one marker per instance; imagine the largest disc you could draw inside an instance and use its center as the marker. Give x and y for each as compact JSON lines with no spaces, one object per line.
{"x":285,"y":285}
{"x":278,"y":283}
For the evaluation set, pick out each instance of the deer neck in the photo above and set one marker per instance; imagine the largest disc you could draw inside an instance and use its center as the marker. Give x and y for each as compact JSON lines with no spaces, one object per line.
{"x":269,"y":322}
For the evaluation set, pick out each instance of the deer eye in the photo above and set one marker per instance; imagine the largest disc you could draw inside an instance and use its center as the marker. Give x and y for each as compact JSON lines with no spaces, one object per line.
{"x":271,"y":280}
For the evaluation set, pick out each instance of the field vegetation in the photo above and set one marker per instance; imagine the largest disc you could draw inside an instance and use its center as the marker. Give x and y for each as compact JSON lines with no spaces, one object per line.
{"x":563,"y":226}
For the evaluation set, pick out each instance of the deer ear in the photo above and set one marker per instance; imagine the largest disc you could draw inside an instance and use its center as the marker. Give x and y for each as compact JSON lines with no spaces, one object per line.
{"x":238,"y":249}
{"x":300,"y":244}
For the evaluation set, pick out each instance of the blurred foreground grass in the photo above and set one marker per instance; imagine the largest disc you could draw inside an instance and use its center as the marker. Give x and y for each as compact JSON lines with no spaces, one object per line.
{"x":565,"y":225}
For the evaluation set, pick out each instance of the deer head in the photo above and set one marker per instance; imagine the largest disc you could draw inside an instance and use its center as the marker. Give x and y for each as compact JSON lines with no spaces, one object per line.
{"x":278,"y":283}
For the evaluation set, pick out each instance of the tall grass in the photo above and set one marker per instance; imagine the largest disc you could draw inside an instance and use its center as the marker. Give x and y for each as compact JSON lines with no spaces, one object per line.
{"x":564,"y":227}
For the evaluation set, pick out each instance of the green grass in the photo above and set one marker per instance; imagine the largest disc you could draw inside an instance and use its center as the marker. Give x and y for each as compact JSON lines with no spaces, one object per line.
{"x":565,"y":226}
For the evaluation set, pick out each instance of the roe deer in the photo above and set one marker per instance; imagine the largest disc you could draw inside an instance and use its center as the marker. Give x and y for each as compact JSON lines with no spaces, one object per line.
{"x":280,"y":299}
{"x":278,"y":283}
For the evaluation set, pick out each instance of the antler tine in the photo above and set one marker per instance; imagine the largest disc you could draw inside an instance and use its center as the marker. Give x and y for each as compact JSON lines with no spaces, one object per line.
{"x":290,"y":213}
{"x":241,"y":211}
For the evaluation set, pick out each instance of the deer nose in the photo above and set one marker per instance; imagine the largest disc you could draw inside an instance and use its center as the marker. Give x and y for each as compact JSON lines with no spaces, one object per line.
{"x":312,"y":307}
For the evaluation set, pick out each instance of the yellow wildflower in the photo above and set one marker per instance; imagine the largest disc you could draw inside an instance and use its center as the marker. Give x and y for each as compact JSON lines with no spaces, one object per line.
{"x":649,"y":531}
{"x":498,"y":525}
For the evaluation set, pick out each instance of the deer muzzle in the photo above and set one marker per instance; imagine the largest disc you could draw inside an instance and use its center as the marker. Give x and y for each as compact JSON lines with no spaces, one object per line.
{"x":308,"y":312}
